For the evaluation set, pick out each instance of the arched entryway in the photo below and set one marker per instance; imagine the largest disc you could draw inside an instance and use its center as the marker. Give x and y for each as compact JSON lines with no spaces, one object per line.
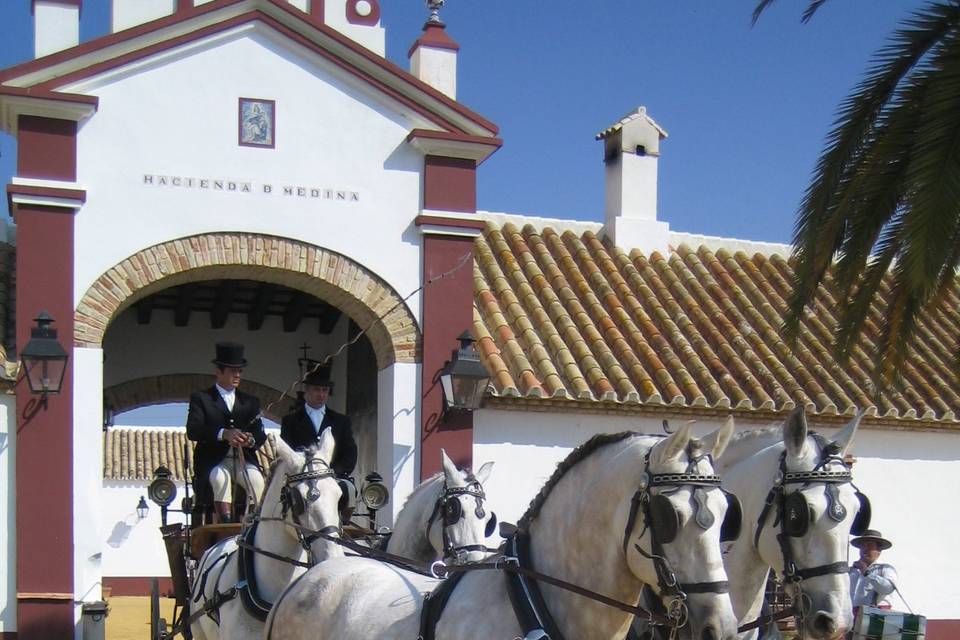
{"x":372,"y":304}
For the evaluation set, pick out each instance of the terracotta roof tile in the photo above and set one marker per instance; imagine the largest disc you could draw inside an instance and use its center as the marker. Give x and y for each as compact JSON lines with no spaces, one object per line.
{"x":134,"y":454}
{"x":565,"y":316}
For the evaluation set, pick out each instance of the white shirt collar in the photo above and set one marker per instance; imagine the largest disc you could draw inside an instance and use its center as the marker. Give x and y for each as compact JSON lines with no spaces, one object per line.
{"x":223,"y":392}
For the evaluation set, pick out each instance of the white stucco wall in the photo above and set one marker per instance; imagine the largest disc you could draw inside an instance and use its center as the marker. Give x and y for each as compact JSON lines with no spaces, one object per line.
{"x":132,"y":547}
{"x":176,"y":116}
{"x":8,"y":515}
{"x":87,"y":474}
{"x":908,"y":475}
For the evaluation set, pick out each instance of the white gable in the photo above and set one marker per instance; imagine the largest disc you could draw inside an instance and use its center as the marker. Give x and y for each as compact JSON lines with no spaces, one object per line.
{"x":162,"y":154}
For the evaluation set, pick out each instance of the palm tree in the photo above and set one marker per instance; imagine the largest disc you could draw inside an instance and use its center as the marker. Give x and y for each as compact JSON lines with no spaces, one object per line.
{"x":884,"y":200}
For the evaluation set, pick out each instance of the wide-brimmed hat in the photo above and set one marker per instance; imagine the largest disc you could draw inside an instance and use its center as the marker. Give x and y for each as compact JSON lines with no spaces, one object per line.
{"x":230,"y":354}
{"x":318,"y":375}
{"x":872,"y":534}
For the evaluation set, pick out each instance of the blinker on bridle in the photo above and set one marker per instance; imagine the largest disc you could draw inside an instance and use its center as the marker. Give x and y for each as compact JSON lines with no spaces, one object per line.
{"x":663,"y":521}
{"x":293,"y":501}
{"x":450,"y":510}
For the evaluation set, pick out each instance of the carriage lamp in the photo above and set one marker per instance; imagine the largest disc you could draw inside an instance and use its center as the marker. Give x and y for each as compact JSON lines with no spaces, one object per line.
{"x":162,"y":490}
{"x":464,"y":378}
{"x":44,"y":360}
{"x":142,"y":508}
{"x":374,"y":494}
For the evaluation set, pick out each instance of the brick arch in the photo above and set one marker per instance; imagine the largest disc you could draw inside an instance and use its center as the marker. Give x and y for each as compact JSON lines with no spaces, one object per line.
{"x":332,"y":277}
{"x":177,"y":387}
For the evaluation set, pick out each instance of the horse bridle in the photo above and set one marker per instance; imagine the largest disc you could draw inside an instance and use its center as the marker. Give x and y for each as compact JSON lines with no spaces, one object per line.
{"x":660,"y":517}
{"x":292,"y":501}
{"x":450,"y":510}
{"x":793,"y":517}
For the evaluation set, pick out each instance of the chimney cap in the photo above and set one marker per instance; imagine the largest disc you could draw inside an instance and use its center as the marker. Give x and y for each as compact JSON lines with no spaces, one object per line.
{"x":639,"y":113}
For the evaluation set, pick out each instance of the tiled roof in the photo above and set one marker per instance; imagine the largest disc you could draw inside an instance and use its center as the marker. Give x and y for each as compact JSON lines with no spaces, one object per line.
{"x":563,"y":318}
{"x":134,"y":454}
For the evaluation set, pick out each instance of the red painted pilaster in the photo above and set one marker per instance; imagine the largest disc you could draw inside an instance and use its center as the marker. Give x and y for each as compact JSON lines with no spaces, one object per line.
{"x":44,"y":492}
{"x":447,"y":312}
{"x":450,"y":184}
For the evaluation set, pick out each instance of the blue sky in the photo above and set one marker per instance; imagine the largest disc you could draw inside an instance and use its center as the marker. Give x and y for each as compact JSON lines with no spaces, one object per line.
{"x":746,"y":109}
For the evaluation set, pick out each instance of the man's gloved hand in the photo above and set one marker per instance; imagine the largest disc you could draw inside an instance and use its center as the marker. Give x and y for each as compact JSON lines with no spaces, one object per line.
{"x":237,"y":438}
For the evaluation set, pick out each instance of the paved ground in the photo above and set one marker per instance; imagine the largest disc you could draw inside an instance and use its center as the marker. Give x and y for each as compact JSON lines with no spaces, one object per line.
{"x":129,"y":617}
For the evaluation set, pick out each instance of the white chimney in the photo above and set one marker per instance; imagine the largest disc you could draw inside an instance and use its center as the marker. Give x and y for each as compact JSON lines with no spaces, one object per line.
{"x":130,"y":13}
{"x":433,"y":57}
{"x":56,"y":26}
{"x":631,"y":149}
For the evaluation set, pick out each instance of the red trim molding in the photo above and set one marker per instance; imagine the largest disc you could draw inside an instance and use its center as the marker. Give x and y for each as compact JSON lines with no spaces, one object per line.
{"x":447,"y":312}
{"x":185,"y":15}
{"x":453,"y":145}
{"x":78,"y":3}
{"x":136,"y":585}
{"x":459,"y":223}
{"x":46,"y":192}
{"x":434,"y":35}
{"x":354,"y":17}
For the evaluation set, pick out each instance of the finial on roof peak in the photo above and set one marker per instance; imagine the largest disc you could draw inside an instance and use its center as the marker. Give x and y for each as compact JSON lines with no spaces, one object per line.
{"x":435,"y":6}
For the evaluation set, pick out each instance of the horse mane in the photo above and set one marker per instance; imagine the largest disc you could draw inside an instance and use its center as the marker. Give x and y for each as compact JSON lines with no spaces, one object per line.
{"x":409,"y":531}
{"x":575,"y":456}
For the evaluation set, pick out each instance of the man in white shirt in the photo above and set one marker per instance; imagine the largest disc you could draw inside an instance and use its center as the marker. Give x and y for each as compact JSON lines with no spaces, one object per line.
{"x":225,"y":424}
{"x":871,"y":581}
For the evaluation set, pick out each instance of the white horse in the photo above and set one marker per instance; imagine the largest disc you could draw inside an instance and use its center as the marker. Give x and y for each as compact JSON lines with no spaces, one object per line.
{"x":580,"y":530}
{"x":300,"y":497}
{"x":430,"y":526}
{"x":813,"y":520}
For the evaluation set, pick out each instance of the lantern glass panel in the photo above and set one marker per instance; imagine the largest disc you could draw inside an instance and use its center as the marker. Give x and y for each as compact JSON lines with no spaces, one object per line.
{"x":45,"y":375}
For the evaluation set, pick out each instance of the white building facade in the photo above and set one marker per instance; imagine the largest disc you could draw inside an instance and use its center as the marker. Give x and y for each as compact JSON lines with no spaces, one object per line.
{"x":255,"y":170}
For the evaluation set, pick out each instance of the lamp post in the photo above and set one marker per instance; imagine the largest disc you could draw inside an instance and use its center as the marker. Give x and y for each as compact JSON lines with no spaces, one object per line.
{"x":44,"y":360}
{"x":464,"y":378}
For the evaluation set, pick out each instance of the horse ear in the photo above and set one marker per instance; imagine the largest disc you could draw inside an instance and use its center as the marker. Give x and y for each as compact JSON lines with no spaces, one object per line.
{"x":284,"y":452}
{"x":716,"y":443}
{"x":673,"y":446}
{"x":795,"y":432}
{"x":450,"y":470}
{"x":327,"y":443}
{"x":845,"y":437}
{"x":484,"y":472}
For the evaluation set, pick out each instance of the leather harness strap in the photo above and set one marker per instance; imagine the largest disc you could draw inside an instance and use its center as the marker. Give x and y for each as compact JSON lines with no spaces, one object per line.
{"x":434,"y":604}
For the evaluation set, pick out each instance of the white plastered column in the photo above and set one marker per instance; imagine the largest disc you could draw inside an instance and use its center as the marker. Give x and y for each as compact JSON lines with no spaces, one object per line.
{"x":8,"y":512}
{"x":88,"y":540}
{"x":398,"y":420}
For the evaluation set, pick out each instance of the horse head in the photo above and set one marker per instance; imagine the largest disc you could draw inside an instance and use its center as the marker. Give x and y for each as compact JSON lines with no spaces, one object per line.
{"x":462,"y":513}
{"x":681,"y":515}
{"x":308,"y":494}
{"x":806,"y":537}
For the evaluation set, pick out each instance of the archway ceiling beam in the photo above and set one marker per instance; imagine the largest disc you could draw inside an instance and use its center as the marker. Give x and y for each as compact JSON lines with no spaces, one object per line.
{"x":223,"y":304}
{"x":261,"y":304}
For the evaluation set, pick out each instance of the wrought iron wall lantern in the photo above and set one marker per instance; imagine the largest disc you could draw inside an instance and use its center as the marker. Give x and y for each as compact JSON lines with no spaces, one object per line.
{"x":464,"y":378}
{"x":142,"y":508}
{"x":44,"y":360}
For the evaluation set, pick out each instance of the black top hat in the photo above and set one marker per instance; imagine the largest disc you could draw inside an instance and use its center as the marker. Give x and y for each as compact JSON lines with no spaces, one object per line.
{"x":318,"y":375}
{"x":872,"y":534}
{"x":230,"y":354}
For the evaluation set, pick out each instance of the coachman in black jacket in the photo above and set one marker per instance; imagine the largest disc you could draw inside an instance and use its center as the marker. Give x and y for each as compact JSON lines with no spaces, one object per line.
{"x":215,"y":428}
{"x":298,"y":430}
